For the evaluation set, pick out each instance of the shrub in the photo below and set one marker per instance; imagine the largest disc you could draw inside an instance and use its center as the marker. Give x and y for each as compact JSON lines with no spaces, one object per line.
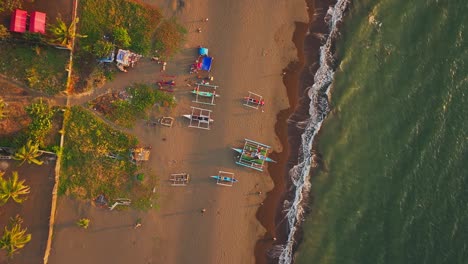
{"x":170,"y":37}
{"x":102,"y":48}
{"x":4,"y":33}
{"x":121,"y":37}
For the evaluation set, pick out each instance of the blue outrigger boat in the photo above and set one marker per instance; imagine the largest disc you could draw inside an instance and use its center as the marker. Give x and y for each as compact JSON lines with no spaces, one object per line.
{"x":225,"y":178}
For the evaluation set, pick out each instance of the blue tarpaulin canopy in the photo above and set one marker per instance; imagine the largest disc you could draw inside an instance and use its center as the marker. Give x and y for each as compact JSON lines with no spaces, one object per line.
{"x":206,"y":63}
{"x":202,"y":51}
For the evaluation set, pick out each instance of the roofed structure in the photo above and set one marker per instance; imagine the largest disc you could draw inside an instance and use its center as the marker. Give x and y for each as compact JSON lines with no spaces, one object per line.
{"x":18,"y":21}
{"x":37,"y":22}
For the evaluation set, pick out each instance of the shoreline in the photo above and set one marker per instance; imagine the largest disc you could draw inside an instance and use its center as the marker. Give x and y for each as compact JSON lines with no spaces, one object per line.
{"x":299,"y":77}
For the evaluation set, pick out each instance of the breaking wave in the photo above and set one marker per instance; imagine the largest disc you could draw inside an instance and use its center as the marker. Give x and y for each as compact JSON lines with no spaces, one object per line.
{"x":319,"y":108}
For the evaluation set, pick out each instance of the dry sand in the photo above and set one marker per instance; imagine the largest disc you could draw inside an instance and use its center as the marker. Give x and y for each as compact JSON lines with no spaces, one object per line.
{"x":251,"y":43}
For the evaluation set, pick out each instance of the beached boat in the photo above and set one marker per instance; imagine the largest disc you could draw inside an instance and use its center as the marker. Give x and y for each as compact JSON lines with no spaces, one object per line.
{"x":254,"y":100}
{"x":204,"y":94}
{"x":225,"y":178}
{"x":203,"y":119}
{"x":200,"y":118}
{"x":253,"y":155}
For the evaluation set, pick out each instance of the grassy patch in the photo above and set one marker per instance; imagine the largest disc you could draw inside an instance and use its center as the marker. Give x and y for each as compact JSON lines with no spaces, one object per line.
{"x":133,"y":104}
{"x":42,"y":68}
{"x":87,"y":171}
{"x":170,"y":37}
{"x":99,"y":18}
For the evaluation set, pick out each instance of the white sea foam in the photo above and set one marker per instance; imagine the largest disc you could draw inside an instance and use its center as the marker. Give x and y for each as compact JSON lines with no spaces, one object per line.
{"x":319,"y":109}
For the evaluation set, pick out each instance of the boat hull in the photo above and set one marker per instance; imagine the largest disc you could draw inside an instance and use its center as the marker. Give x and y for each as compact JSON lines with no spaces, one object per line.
{"x":226,"y":179}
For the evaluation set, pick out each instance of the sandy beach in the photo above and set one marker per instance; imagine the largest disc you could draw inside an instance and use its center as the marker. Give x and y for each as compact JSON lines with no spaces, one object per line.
{"x":251,"y":42}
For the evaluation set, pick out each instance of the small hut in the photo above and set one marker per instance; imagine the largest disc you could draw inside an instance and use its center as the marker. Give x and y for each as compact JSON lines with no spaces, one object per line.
{"x":18,"y":21}
{"x":37,"y":22}
{"x":140,"y":154}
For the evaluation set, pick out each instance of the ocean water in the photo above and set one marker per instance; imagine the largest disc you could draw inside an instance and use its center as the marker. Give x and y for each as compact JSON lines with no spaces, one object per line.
{"x":393,"y":182}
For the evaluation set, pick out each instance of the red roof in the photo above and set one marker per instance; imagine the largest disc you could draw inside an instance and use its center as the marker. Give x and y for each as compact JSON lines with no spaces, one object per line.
{"x":18,"y":21}
{"x":37,"y":22}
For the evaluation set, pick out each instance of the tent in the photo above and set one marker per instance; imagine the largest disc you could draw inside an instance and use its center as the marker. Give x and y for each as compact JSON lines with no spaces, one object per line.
{"x":37,"y":22}
{"x":202,"y":51}
{"x":18,"y":21}
{"x":206,"y":63}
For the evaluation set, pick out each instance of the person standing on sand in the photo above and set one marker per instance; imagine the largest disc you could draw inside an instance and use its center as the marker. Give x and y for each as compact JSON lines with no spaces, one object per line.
{"x":203,"y":211}
{"x":138,"y":223}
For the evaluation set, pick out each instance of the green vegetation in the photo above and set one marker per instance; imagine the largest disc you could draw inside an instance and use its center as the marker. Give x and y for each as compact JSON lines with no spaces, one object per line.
{"x":63,"y":34}
{"x":170,"y":37}
{"x":41,"y":121}
{"x":4,"y":33}
{"x":87,"y":168}
{"x":14,"y":237}
{"x":100,"y":18}
{"x":42,"y":68}
{"x":3,"y":109}
{"x":121,"y":37}
{"x":29,"y":152}
{"x":83,"y":223}
{"x":10,"y":5}
{"x":12,"y":188}
{"x":141,"y":98}
{"x":102,"y":48}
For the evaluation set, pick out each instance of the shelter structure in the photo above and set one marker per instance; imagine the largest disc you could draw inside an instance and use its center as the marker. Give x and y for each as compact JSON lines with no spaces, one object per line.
{"x":205,"y":93}
{"x":37,"y":22}
{"x":253,"y":155}
{"x":140,"y":154}
{"x":126,"y":58}
{"x":202,"y":51}
{"x":18,"y":21}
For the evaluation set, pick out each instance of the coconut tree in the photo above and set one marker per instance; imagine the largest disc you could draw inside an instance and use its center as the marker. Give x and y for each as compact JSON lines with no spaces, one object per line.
{"x":12,"y":188}
{"x":63,"y":34}
{"x":29,"y":152}
{"x":14,"y":237}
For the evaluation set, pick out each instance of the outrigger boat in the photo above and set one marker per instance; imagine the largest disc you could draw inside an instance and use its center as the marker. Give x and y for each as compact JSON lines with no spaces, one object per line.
{"x":256,"y":154}
{"x":205,"y":93}
{"x":205,"y":119}
{"x":200,"y":118}
{"x":225,"y":178}
{"x":249,"y":100}
{"x":254,"y":100}
{"x":253,"y":155}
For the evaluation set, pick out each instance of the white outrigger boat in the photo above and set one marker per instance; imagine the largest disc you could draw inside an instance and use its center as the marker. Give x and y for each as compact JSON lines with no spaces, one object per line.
{"x":200,"y":118}
{"x":203,"y":119}
{"x":225,"y":178}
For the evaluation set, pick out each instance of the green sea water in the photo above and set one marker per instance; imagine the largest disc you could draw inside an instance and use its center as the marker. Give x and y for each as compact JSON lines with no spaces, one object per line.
{"x":394,"y":182}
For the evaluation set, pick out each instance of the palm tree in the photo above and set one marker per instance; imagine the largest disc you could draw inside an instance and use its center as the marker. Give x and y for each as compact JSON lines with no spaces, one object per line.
{"x":12,"y":188}
{"x":14,"y":237}
{"x":3,"y":110}
{"x":63,"y":34}
{"x":29,"y":152}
